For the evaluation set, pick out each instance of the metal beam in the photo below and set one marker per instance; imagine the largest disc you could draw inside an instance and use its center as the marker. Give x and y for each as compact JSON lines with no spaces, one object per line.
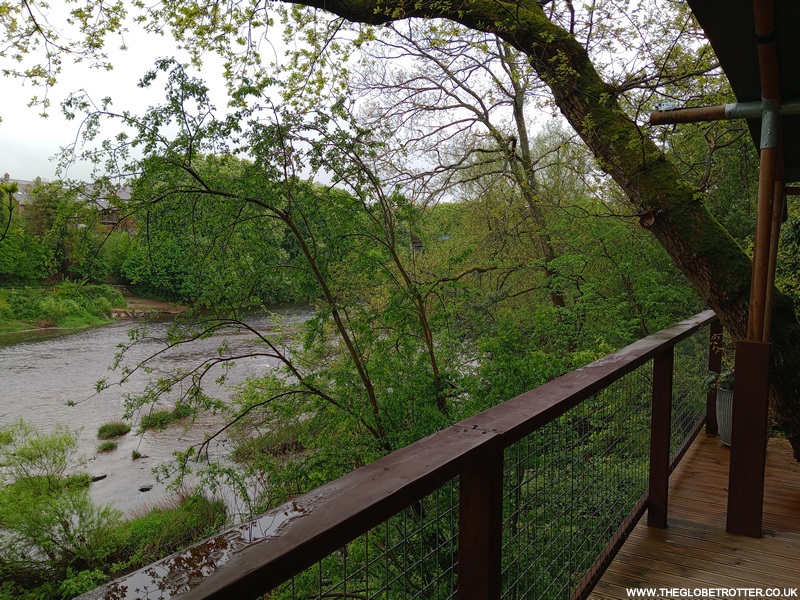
{"x":722,"y":112}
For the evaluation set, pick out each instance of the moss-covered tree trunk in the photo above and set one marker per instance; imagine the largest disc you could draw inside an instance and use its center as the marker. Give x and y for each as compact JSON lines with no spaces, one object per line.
{"x":669,"y":207}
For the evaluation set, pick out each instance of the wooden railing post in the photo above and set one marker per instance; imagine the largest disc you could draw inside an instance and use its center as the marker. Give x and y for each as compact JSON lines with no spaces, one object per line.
{"x":480,"y":523}
{"x":714,"y":364}
{"x":660,"y":431}
{"x":749,"y":437}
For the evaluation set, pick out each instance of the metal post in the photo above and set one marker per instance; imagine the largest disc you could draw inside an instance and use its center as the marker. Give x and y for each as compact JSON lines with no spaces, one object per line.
{"x":715,"y":365}
{"x":480,"y":530}
{"x":761,"y":248}
{"x":660,"y":431}
{"x":778,"y":203}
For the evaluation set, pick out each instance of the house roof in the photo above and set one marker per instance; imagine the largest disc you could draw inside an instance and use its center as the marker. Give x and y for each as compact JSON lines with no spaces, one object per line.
{"x":730,"y":28}
{"x":102,"y":199}
{"x":24,"y":187}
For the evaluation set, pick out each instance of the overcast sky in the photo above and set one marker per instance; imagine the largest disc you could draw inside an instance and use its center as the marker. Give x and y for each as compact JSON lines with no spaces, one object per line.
{"x":29,"y":142}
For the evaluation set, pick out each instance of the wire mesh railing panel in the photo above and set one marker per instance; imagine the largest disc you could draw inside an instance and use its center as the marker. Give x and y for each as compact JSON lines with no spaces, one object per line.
{"x":569,"y":486}
{"x":413,"y":555}
{"x":571,"y":492}
{"x":688,"y":394}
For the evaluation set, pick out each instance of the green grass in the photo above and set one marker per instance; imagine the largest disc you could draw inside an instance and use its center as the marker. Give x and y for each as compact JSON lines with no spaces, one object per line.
{"x":108,"y":446}
{"x":148,"y":536}
{"x":172,"y":525}
{"x":56,"y":543}
{"x":135,"y":454}
{"x":68,"y":305}
{"x":113,"y":430}
{"x":161,"y":419}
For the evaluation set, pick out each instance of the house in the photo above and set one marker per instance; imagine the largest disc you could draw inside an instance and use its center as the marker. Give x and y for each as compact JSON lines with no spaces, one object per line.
{"x":23,"y":195}
{"x":106,"y":202}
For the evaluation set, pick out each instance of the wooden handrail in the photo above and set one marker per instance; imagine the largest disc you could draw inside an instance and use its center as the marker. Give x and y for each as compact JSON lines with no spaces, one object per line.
{"x":239,"y":563}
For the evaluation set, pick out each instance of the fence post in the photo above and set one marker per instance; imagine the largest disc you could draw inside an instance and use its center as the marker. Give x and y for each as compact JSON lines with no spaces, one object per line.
{"x":714,"y":364}
{"x":480,"y":522}
{"x":749,"y":438}
{"x":660,"y":430}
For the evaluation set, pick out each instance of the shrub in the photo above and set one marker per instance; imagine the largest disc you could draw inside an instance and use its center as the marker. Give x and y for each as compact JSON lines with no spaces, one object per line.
{"x":56,"y":543}
{"x":161,"y":419}
{"x":107,"y":446}
{"x":50,"y":526}
{"x":135,"y":454}
{"x":80,"y":582}
{"x":113,"y":430}
{"x":68,"y":304}
{"x":170,"y":526}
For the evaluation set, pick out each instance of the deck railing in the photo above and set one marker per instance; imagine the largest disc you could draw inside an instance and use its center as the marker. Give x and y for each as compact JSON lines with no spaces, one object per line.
{"x":529,"y":499}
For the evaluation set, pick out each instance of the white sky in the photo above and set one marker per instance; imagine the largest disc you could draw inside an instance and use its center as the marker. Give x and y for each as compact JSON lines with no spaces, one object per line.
{"x":28,"y":142}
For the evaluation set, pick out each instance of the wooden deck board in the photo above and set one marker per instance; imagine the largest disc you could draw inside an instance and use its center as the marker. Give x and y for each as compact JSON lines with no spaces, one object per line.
{"x":695,"y":551}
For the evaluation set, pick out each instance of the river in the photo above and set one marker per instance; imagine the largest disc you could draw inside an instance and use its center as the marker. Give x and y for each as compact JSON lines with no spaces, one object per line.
{"x":44,"y":373}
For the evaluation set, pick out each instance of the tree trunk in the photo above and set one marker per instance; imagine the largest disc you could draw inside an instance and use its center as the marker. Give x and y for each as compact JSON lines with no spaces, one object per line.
{"x":669,"y":207}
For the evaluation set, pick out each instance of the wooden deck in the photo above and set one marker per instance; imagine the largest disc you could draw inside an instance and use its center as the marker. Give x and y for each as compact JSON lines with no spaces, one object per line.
{"x":694,"y":551}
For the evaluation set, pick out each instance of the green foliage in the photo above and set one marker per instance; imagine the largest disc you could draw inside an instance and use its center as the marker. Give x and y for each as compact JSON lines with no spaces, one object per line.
{"x":107,"y":446}
{"x":68,"y":304}
{"x":80,"y":582}
{"x":227,"y":256}
{"x":55,"y":543}
{"x":112,"y":430}
{"x":22,"y":256}
{"x":68,"y":227}
{"x":165,"y":529}
{"x":28,"y":454}
{"x":161,"y":419}
{"x":722,"y":380}
{"x":49,"y":525}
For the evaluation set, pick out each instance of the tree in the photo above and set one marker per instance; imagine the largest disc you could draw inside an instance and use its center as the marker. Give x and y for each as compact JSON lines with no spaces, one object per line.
{"x":22,"y":258}
{"x":670,"y":207}
{"x":7,"y":206}
{"x":369,"y":367}
{"x":601,"y":105}
{"x":189,"y":250}
{"x":450,"y":108}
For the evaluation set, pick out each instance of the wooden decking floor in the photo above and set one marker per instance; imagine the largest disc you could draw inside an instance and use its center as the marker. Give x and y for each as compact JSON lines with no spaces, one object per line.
{"x":694,"y":551}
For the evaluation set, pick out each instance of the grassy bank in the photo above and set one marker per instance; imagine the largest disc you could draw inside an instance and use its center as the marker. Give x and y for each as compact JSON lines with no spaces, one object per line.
{"x":67,"y":304}
{"x":55,"y":543}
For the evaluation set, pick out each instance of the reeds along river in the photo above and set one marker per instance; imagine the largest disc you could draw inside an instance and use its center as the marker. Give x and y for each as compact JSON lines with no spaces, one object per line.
{"x":42,"y":375}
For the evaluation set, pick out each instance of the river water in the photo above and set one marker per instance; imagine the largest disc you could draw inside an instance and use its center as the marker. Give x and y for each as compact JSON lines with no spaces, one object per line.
{"x":43,"y":372}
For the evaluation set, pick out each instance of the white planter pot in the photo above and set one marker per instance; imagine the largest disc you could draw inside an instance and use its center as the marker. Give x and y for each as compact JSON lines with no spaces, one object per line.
{"x":724,"y":415}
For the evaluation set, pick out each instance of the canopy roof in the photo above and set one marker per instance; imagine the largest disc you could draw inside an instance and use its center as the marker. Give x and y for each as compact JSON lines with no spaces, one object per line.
{"x":730,"y":27}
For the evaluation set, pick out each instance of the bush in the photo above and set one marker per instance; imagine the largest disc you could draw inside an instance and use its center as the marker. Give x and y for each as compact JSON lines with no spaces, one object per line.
{"x":50,"y":526}
{"x":68,"y":304}
{"x":161,"y":419}
{"x":56,"y":543}
{"x":171,"y":526}
{"x":108,"y":446}
{"x":80,"y":582}
{"x":113,"y":430}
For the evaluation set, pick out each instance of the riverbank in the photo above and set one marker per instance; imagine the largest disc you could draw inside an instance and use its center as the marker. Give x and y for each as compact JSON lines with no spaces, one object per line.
{"x":67,"y":305}
{"x":137,"y":307}
{"x":70,"y":306}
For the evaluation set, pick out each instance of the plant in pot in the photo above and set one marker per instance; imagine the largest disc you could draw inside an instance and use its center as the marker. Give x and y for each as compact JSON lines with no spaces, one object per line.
{"x":722,"y":383}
